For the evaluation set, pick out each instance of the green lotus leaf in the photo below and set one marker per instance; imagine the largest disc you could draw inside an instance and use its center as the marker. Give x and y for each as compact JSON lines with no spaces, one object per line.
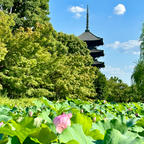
{"x":84,"y":120}
{"x":75,"y":133}
{"x":113,"y":136}
{"x":44,"y":135}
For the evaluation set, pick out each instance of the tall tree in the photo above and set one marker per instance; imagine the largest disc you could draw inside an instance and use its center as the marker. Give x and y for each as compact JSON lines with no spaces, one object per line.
{"x":27,"y":12}
{"x":138,"y":77}
{"x":142,"y":45}
{"x":5,"y":34}
{"x":37,"y":64}
{"x":138,"y":74}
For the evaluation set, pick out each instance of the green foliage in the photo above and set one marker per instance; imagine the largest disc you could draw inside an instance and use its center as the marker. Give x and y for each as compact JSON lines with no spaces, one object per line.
{"x":122,"y":127}
{"x":115,"y":137}
{"x":5,"y":35}
{"x":142,"y":44}
{"x":44,"y":135}
{"x":27,"y":12}
{"x":74,"y":44}
{"x":138,"y":77}
{"x":19,"y":102}
{"x":117,"y":91}
{"x":37,"y":64}
{"x":101,"y":86}
{"x":84,"y":121}
{"x":76,"y":133}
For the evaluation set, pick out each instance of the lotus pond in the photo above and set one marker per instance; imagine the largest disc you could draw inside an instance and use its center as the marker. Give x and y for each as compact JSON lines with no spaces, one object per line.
{"x":72,"y":122}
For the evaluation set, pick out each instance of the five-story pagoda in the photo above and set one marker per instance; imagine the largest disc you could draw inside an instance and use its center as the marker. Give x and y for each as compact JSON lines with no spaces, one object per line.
{"x":93,"y":42}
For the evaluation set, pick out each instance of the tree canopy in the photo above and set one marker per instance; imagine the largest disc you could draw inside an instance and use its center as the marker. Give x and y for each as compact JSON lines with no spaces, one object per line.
{"x":142,"y":45}
{"x":138,"y":74}
{"x":27,"y":12}
{"x":38,"y":63}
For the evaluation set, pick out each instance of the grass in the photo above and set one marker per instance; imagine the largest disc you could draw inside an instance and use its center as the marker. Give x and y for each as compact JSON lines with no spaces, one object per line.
{"x":22,"y":102}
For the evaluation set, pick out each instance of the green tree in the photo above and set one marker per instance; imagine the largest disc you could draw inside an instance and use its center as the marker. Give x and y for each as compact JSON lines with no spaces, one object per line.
{"x":142,"y":45}
{"x":117,"y":90}
{"x":138,"y":74}
{"x":5,"y":35}
{"x":27,"y":12}
{"x":100,"y":84}
{"x":73,"y":78}
{"x":74,"y":44}
{"x":37,"y":64}
{"x":138,"y":77}
{"x":134,"y":94}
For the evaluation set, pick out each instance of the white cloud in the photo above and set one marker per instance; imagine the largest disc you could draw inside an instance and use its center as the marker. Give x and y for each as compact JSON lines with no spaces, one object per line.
{"x":136,"y":52}
{"x":132,"y":46}
{"x":77,"y":11}
{"x":120,"y":9}
{"x":129,"y":67}
{"x":114,"y":71}
{"x":122,"y":74}
{"x":77,"y":15}
{"x":114,"y":45}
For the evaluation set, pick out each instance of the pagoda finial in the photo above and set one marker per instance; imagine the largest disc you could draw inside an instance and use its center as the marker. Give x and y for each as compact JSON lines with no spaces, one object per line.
{"x":87,"y":20}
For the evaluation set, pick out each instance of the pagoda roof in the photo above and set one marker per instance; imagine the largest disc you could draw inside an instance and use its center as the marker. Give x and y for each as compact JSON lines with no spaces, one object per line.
{"x":95,"y":50}
{"x":98,"y":64}
{"x":96,"y":53}
{"x":88,"y":36}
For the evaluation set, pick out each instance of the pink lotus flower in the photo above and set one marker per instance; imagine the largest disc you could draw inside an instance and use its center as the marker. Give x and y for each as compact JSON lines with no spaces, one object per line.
{"x":136,"y":115}
{"x":62,"y":122}
{"x":104,"y":101}
{"x":129,"y":109}
{"x":94,"y":119}
{"x":1,"y":124}
{"x":30,"y":113}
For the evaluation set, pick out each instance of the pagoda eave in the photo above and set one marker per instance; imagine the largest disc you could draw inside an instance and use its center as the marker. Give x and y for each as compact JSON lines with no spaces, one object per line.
{"x":96,"y":55}
{"x":94,"y":42}
{"x":96,"y":51}
{"x":98,"y":64}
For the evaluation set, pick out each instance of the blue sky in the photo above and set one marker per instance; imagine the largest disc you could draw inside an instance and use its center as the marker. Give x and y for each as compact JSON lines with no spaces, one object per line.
{"x":118,"y":22}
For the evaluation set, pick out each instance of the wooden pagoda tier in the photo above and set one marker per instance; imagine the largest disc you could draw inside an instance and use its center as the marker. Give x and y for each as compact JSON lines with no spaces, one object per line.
{"x":91,"y":39}
{"x":96,"y":53}
{"x":93,"y":42}
{"x":98,"y":64}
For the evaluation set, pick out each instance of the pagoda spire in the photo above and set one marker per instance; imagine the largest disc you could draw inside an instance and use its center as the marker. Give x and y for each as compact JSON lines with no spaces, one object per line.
{"x":87,"y":20}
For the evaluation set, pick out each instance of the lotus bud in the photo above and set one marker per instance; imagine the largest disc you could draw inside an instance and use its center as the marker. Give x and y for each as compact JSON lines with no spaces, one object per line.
{"x":37,"y":121}
{"x":19,"y":119}
{"x":81,"y":111}
{"x":1,"y":123}
{"x":104,"y":101}
{"x":94,"y":119}
{"x":136,"y":114}
{"x":129,"y":109}
{"x":30,"y":113}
